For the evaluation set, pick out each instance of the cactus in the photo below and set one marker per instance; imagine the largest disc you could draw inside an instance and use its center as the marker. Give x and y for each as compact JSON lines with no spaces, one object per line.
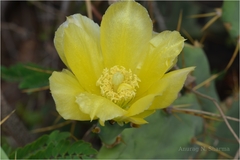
{"x":230,"y":18}
{"x":194,"y":55}
{"x":166,"y":136}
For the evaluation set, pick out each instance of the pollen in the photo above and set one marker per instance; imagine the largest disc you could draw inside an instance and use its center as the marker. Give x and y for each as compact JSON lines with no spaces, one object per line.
{"x":118,"y":85}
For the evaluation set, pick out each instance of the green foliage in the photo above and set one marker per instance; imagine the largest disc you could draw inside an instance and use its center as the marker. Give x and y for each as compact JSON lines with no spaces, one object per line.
{"x":164,"y":137}
{"x":230,"y":17}
{"x":5,"y":146}
{"x":55,"y":145}
{"x":29,"y":75}
{"x":3,"y":154}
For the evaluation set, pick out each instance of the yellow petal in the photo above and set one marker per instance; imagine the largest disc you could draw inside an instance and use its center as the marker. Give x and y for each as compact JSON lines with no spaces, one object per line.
{"x":83,"y":55}
{"x":64,"y":88}
{"x":58,"y":42}
{"x":125,"y":33}
{"x":83,"y":23}
{"x":165,"y":47}
{"x":144,"y":114}
{"x":137,"y":120}
{"x":169,"y":87}
{"x":100,"y":107}
{"x":140,"y":105}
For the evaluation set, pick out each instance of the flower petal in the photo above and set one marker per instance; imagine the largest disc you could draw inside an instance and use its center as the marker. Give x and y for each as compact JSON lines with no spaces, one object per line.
{"x":164,"y":49}
{"x":145,"y":114}
{"x":140,"y":105}
{"x":64,"y":88}
{"x":58,"y":42}
{"x":82,"y":22}
{"x":100,"y":107}
{"x":83,"y":54}
{"x":169,"y":87}
{"x":137,"y":120}
{"x":125,"y":33}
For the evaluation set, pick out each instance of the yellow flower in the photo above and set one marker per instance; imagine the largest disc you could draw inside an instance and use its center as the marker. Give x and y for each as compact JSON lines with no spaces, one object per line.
{"x":116,"y":71}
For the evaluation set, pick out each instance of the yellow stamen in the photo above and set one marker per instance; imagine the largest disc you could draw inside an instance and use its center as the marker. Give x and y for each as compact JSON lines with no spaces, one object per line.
{"x":118,"y":85}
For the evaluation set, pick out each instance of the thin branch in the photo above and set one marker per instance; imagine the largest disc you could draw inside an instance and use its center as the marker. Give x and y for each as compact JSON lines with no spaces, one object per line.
{"x":206,"y":81}
{"x":179,"y":21}
{"x":195,"y":141}
{"x":86,"y":135}
{"x":14,"y":126}
{"x":220,"y":110}
{"x":235,"y":53}
{"x":206,"y":113}
{"x":188,"y":36}
{"x":8,"y":116}
{"x":210,"y":22}
{"x":237,"y":154}
{"x":38,"y":69}
{"x":220,"y":73}
{"x":89,"y":9}
{"x":203,"y":15}
{"x":49,"y":128}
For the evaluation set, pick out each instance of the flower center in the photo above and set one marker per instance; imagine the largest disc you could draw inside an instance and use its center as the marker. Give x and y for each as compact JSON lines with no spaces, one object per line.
{"x":118,"y":85}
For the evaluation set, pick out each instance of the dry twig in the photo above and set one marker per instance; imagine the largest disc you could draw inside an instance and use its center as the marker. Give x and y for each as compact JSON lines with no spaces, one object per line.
{"x":89,"y":9}
{"x":220,"y":111}
{"x":205,"y":113}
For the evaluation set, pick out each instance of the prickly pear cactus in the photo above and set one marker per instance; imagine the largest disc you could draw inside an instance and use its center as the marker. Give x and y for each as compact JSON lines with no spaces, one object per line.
{"x":230,"y":18}
{"x":195,"y":56}
{"x":166,"y":135}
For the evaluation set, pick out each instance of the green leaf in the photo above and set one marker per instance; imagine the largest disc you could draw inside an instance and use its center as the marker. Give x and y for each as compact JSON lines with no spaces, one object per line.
{"x":5,"y":146}
{"x":29,"y":75}
{"x":163,"y":137}
{"x":61,"y":148}
{"x":30,"y":149}
{"x":55,"y":137}
{"x":3,"y":154}
{"x":56,"y":145}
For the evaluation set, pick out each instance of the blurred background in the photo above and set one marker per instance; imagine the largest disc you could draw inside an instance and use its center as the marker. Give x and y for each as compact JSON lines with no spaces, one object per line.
{"x":27,"y":32}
